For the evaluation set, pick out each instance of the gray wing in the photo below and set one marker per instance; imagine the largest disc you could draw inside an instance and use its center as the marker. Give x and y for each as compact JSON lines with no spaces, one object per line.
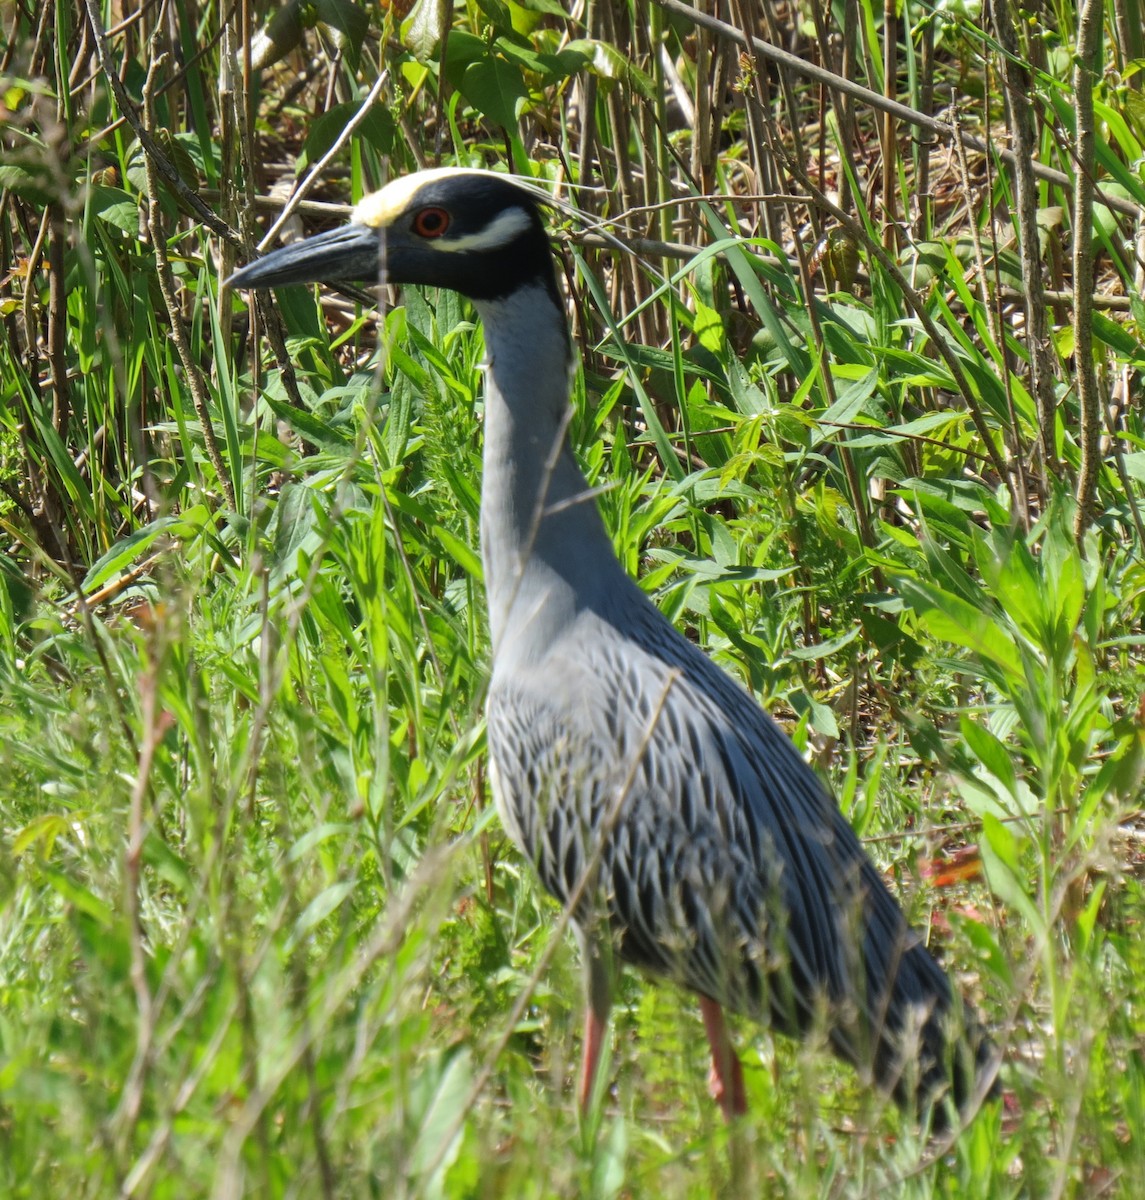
{"x":720,"y":859}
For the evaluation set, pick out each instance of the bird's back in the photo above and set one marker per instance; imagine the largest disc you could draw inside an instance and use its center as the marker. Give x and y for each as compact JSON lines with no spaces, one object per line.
{"x":717,"y":857}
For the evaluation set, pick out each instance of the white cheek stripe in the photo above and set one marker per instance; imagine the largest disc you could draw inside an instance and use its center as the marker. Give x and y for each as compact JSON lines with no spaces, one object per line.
{"x":509,"y":225}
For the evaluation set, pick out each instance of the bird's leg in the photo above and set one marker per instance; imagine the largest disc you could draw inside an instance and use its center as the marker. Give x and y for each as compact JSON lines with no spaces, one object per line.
{"x":598,"y":992}
{"x":726,"y":1080}
{"x":595,"y":1027}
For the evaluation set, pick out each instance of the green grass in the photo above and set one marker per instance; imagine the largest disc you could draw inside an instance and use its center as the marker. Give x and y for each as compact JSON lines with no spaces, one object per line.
{"x":260,"y":931}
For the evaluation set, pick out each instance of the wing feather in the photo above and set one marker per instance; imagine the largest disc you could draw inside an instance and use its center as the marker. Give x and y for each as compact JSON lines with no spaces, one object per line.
{"x":722,"y":862}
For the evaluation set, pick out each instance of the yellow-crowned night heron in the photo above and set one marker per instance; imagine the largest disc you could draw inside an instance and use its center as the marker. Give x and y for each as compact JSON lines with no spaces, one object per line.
{"x":646,"y":787}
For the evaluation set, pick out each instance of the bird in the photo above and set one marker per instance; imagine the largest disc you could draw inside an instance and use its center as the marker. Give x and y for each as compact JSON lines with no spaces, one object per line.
{"x":655,"y":798}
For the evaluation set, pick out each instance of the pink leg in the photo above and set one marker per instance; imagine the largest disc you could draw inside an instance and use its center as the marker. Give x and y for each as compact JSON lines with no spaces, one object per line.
{"x":594,"y":1031}
{"x":726,"y":1080}
{"x":598,"y":995}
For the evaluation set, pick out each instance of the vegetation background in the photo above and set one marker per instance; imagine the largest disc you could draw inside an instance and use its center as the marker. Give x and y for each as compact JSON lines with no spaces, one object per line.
{"x":862,"y":346}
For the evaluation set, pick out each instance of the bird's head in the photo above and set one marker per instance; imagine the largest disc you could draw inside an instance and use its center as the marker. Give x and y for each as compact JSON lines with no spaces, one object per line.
{"x":474,"y":232}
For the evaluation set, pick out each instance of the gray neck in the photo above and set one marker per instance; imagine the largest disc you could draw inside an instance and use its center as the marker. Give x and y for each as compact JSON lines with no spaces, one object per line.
{"x":544,"y":547}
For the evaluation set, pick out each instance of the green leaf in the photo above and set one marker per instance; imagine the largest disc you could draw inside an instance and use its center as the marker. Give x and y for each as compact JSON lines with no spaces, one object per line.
{"x":443,"y":1117}
{"x":425,"y":26}
{"x":493,"y":86}
{"x":1087,"y":918}
{"x":281,"y":34}
{"x":1001,"y":856}
{"x":31,"y":182}
{"x":117,"y":207}
{"x":345,"y":22}
{"x":552,"y":68}
{"x":166,"y":864}
{"x":548,"y":8}
{"x":1116,"y":336}
{"x":930,"y":424}
{"x":376,"y":127}
{"x":321,"y":907}
{"x":820,"y":716}
{"x":1064,"y":577}
{"x":823,"y":649}
{"x":852,"y":403}
{"x":986,"y":944}
{"x":951,"y":618}
{"x":314,"y":429}
{"x":606,"y":62}
{"x":990,"y":752}
{"x":80,"y":897}
{"x":187,"y":526}
{"x":460,"y":552}
{"x":42,"y":831}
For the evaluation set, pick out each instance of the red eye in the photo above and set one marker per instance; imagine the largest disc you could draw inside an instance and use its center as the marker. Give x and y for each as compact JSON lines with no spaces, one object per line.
{"x":431,"y":222}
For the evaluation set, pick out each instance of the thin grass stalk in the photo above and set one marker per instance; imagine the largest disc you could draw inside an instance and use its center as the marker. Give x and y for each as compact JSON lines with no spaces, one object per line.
{"x":840,"y":106}
{"x":778,"y":138}
{"x":923,"y":216}
{"x":663,"y":191}
{"x":652,"y":123}
{"x":754,"y":94}
{"x":1129,"y":23}
{"x":153,"y":727}
{"x":622,"y":176}
{"x":192,"y":373}
{"x":871,"y":68}
{"x":707,"y":108}
{"x":587,"y":153}
{"x":888,"y":138}
{"x":61,"y":416}
{"x":990,"y":300}
{"x":848,"y":129}
{"x":1085,"y":76}
{"x":1018,"y":85}
{"x":233,"y":98}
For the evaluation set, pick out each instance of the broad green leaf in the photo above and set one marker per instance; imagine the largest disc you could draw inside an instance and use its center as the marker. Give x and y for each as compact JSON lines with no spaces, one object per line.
{"x":423,"y":29}
{"x":321,"y":907}
{"x":493,"y":86}
{"x":990,"y":752}
{"x":952,"y":619}
{"x":444,"y":1117}
{"x":132,"y":547}
{"x":1002,"y":857}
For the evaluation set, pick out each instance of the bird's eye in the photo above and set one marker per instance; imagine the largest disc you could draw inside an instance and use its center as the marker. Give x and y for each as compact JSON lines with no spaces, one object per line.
{"x":431,"y":222}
